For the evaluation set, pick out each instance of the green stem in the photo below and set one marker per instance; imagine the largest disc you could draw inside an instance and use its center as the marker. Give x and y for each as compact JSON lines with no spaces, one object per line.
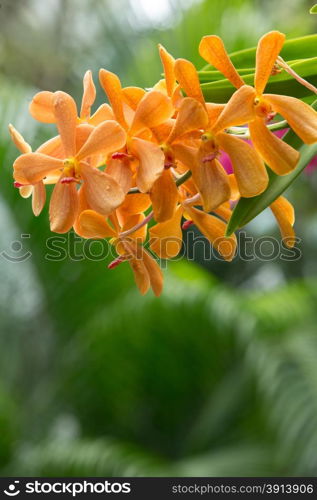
{"x":183,"y":178}
{"x":244,"y":133}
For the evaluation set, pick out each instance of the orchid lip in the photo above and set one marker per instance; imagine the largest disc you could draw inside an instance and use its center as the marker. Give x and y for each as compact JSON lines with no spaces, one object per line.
{"x":210,"y":157}
{"x":116,"y":262}
{"x":120,"y":156}
{"x":187,"y":224}
{"x":68,"y":180}
{"x":19,"y":185}
{"x":168,"y":164}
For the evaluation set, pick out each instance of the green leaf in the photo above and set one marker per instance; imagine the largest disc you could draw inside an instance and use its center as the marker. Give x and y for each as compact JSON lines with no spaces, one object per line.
{"x":313,"y":10}
{"x":248,"y":208}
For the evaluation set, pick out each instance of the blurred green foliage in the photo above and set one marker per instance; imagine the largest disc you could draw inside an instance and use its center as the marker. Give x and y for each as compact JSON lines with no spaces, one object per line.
{"x":218,"y":377}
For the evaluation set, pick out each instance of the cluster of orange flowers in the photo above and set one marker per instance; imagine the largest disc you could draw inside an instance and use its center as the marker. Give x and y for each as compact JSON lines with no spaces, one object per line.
{"x":161,"y":148}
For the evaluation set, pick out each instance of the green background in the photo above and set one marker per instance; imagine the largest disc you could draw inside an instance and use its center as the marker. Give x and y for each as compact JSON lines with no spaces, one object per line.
{"x":217,"y":377}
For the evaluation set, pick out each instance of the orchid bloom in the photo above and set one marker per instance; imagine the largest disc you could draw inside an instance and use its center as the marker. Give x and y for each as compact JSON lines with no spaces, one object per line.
{"x":37,"y":191}
{"x":249,"y":169}
{"x":42,"y":105}
{"x":166,"y":237}
{"x":137,"y":112}
{"x":127,"y":238}
{"x":101,"y":191}
{"x":250,"y":105}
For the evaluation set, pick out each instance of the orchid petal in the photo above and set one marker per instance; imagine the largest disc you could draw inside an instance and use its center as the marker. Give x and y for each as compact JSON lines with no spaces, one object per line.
{"x":212,"y":183}
{"x":166,"y":238}
{"x":224,"y":211}
{"x":155,"y":273}
{"x":82,"y":205}
{"x":214,"y":229}
{"x":102,"y":192}
{"x":83,"y":131}
{"x":249,"y":169}
{"x":94,"y":225}
{"x":38,"y":198}
{"x":132,"y":96}
{"x":153,"y":109}
{"x":63,"y":207}
{"x":121,"y":172}
{"x":162,"y":132}
{"x":186,"y":154}
{"x":278,"y":155}
{"x":187,"y":77}
{"x":164,"y":197}
{"x":168,"y":62}
{"x":134,"y":254}
{"x":112,"y":87}
{"x":19,"y":141}
{"x":239,"y":109}
{"x":212,"y":49}
{"x":89,"y":95}
{"x":31,"y":168}
{"x":284,"y":213}
{"x":135,"y":204}
{"x":268,"y":49}
{"x":26,"y":191}
{"x":107,"y":137}
{"x":53,"y":147}
{"x":103,"y":113}
{"x":66,"y":119}
{"x":42,"y":107}
{"x":141,"y":275}
{"x":299,"y":115}
{"x":214,"y":111}
{"x":191,"y":116}
{"x":235,"y":193}
{"x":129,"y":221}
{"x":151,"y":159}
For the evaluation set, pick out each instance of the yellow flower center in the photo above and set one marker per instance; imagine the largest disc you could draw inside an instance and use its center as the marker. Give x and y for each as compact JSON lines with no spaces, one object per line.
{"x":209,"y":143}
{"x":71,"y":170}
{"x":169,"y":155}
{"x":208,"y":149}
{"x":207,"y":136}
{"x":263,"y":108}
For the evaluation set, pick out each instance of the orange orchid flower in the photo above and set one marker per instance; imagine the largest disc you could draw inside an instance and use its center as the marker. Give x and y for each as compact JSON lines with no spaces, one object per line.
{"x":138,"y":112}
{"x":166,"y":237}
{"x":250,"y":105}
{"x":249,"y":169}
{"x":42,"y":105}
{"x":37,"y":191}
{"x":102,"y":192}
{"x":127,"y":237}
